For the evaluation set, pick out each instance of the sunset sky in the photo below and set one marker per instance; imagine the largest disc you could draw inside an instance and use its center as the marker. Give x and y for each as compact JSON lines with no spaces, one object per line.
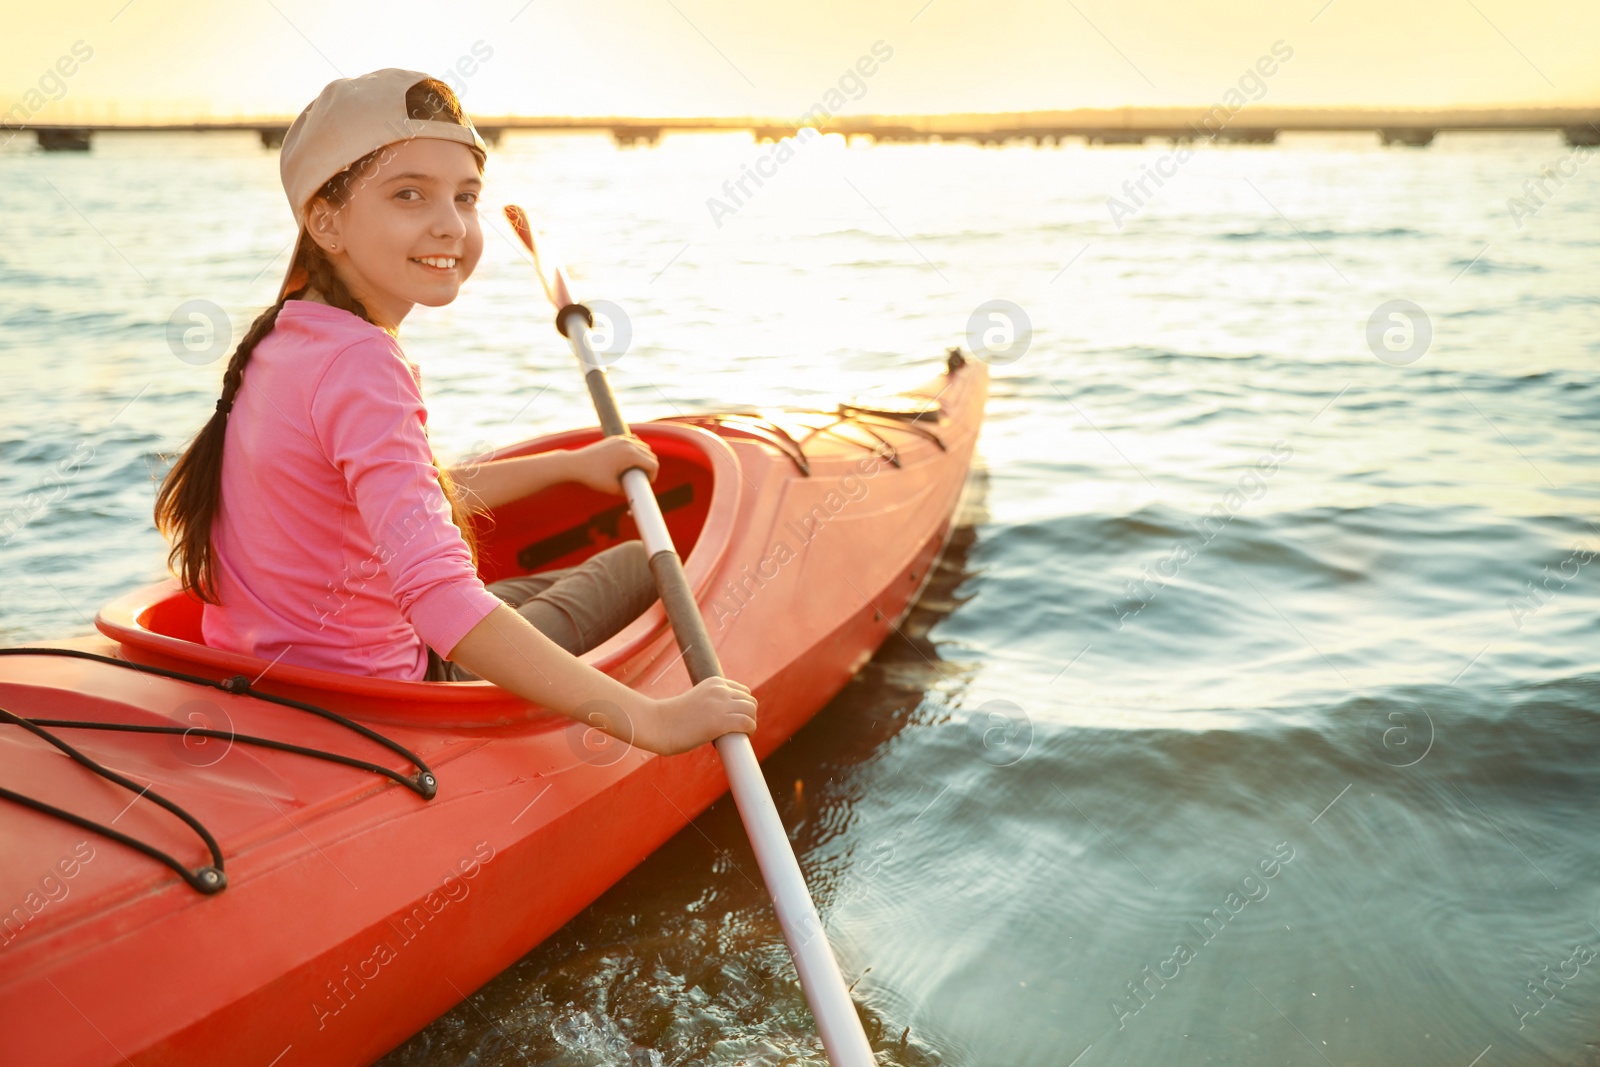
{"x":158,"y":59}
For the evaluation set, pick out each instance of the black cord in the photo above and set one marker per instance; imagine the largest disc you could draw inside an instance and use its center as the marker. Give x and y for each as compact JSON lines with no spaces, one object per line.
{"x":205,"y":879}
{"x":226,"y":735}
{"x":424,"y":784}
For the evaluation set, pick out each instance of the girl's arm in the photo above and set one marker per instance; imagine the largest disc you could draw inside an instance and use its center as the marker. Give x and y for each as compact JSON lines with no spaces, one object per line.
{"x":509,"y":651}
{"x":488,"y":485}
{"x":485,"y":486}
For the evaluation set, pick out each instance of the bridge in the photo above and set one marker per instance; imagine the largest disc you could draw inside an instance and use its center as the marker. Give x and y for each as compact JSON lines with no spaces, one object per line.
{"x":1247,"y":124}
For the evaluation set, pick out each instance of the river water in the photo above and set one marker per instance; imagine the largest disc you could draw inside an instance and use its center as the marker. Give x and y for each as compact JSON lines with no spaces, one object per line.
{"x":1253,"y":716}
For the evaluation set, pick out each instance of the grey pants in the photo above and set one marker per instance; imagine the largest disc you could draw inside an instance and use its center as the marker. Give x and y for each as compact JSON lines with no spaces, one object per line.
{"x":576,"y":607}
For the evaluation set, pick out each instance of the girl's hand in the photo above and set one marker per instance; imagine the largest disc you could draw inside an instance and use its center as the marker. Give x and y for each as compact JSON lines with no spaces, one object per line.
{"x":715,"y":707}
{"x":600,"y":465}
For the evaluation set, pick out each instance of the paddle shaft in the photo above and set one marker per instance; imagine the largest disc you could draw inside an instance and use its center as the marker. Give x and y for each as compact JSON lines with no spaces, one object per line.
{"x":824,"y":987}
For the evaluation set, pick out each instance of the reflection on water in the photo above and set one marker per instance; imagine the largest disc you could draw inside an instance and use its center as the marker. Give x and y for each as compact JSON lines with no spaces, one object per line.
{"x":1036,"y":824}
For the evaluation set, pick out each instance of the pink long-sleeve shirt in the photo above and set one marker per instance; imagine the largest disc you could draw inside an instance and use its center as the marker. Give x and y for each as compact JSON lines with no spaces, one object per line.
{"x":334,"y":545}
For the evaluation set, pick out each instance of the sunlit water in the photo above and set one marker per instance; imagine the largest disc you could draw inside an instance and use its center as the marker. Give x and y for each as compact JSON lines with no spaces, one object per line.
{"x":1109,"y":718}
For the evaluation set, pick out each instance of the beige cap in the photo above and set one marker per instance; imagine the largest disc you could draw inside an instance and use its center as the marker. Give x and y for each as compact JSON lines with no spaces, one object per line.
{"x":350,"y":118}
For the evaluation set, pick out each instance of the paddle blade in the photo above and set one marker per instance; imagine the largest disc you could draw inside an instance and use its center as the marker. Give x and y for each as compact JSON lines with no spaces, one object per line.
{"x":554,"y":282}
{"x":524,"y":229}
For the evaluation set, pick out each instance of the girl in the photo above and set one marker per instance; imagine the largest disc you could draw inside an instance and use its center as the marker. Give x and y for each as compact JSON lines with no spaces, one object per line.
{"x":309,"y":515}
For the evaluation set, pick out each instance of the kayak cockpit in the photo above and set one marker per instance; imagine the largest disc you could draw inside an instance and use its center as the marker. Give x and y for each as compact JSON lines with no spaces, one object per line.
{"x":698,"y":486}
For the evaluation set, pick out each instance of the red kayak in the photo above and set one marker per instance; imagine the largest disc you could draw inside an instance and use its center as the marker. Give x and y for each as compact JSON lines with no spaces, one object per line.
{"x":210,"y":858}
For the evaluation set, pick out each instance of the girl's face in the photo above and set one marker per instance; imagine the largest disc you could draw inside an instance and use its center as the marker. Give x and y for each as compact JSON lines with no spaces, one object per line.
{"x":408,"y":232}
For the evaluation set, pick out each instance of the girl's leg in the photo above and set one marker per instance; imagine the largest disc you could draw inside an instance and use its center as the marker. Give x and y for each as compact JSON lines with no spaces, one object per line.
{"x":576,"y":607}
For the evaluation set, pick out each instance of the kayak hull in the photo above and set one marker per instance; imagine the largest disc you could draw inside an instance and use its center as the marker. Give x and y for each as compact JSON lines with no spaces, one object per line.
{"x":356,"y":911}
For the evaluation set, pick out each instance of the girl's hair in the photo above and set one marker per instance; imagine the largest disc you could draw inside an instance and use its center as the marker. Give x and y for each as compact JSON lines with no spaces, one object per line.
{"x":187,"y":502}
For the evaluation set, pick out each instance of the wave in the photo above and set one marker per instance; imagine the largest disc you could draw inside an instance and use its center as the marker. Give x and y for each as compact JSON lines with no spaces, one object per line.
{"x":1279,"y":234}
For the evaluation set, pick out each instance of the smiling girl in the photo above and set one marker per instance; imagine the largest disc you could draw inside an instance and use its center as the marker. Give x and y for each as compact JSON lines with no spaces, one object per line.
{"x":310,"y":516}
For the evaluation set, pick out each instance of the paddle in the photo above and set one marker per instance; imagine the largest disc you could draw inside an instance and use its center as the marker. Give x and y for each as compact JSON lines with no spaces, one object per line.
{"x":825,"y":991}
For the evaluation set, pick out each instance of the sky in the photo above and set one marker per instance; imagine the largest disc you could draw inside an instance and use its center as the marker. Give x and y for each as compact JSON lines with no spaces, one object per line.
{"x":159,"y":60}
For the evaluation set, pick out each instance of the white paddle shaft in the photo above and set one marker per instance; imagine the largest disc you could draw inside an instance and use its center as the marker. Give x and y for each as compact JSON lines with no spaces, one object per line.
{"x":820,"y":980}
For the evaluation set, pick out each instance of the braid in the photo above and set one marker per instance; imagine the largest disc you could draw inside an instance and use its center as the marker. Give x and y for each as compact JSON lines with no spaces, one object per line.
{"x":191,"y":492}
